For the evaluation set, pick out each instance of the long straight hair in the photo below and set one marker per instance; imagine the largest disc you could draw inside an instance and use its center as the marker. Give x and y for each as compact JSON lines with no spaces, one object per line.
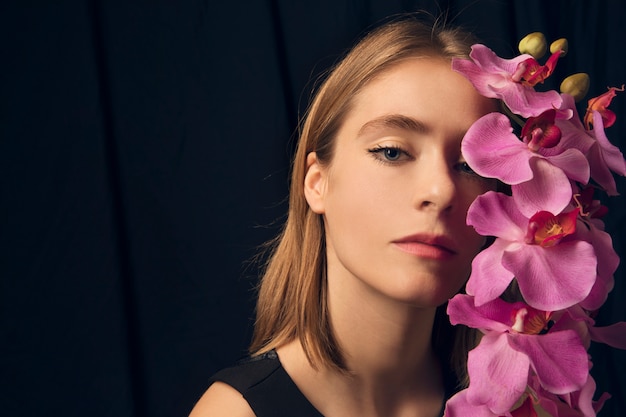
{"x":292,"y":295}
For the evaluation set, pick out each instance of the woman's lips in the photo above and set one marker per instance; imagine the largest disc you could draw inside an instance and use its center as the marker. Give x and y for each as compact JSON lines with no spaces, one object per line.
{"x":427,"y":246}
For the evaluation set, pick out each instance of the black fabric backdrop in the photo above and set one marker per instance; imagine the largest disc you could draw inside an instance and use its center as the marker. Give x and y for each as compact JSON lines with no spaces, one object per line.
{"x":144,"y":155}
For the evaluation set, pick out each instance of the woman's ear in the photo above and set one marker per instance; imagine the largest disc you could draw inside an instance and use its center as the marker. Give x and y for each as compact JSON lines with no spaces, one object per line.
{"x":314,"y":184}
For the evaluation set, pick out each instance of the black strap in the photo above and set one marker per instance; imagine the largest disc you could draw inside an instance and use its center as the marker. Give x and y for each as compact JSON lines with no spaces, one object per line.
{"x":267,"y":387}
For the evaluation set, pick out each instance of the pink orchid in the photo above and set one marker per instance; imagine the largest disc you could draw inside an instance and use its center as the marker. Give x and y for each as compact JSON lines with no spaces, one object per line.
{"x":495,"y":77}
{"x":517,"y":340}
{"x":539,"y":177}
{"x":603,"y":156}
{"x":549,"y":277}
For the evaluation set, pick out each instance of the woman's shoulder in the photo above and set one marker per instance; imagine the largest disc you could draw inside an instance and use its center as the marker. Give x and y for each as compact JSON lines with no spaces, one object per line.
{"x":222,"y":400}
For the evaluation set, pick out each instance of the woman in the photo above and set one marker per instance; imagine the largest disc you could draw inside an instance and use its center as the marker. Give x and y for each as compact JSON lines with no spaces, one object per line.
{"x":375,"y":241}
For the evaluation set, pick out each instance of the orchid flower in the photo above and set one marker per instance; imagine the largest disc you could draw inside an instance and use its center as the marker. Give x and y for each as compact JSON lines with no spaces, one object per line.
{"x":553,"y":270}
{"x":517,"y":340}
{"x":510,"y":80}
{"x":531,"y":168}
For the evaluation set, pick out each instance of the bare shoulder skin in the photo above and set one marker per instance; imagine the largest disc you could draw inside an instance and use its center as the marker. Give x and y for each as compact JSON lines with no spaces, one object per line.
{"x":222,"y":400}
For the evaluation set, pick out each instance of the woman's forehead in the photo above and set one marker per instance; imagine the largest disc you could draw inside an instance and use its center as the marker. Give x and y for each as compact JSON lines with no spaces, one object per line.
{"x":419,"y":88}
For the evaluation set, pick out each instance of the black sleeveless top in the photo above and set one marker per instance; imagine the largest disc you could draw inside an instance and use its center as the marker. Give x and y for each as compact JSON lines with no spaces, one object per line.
{"x":271,"y":392}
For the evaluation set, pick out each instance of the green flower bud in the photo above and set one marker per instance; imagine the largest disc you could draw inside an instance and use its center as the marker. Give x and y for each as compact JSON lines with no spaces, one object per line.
{"x":559,"y":45}
{"x":533,"y":44}
{"x":576,"y":85}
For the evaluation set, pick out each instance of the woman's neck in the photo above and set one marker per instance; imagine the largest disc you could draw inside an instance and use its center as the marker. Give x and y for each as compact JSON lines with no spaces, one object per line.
{"x":386,"y":346}
{"x":382,"y":340}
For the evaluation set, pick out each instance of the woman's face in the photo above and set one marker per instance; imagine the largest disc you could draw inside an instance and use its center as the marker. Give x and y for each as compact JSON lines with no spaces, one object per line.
{"x":395,"y":196}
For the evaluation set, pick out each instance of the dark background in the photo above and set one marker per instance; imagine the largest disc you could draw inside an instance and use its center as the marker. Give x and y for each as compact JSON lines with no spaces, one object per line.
{"x":144,"y":156}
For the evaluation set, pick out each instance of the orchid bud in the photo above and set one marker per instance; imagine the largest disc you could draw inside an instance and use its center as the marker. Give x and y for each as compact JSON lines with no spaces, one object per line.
{"x":576,"y":85}
{"x":559,"y":45}
{"x":533,"y":44}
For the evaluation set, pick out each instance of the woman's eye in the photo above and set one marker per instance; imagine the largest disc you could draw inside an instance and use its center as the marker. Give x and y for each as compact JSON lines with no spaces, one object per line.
{"x":389,"y":153}
{"x":392,"y":154}
{"x":464,"y":167}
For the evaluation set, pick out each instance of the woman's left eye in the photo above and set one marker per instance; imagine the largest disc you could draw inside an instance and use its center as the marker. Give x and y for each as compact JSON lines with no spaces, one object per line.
{"x":464,"y":167}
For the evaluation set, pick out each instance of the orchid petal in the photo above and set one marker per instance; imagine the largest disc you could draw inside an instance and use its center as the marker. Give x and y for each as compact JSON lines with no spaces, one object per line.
{"x":495,"y":214}
{"x":527,"y":102}
{"x":459,"y":406}
{"x":493,"y":151}
{"x":583,"y":399}
{"x":599,"y":292}
{"x":573,"y":136}
{"x":549,"y":190}
{"x":553,"y":278}
{"x":498,"y":373}
{"x":611,"y":154}
{"x":480,"y":79}
{"x":491,"y":316}
{"x":489,"y":278}
{"x":573,"y":163}
{"x":613,"y":335}
{"x":577,"y":320}
{"x":608,"y":260}
{"x":559,"y":359}
{"x":491,"y":62}
{"x":600,"y":172}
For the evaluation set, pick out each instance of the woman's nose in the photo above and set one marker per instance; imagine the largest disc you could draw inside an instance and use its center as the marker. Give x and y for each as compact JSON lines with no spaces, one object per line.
{"x":435,"y":187}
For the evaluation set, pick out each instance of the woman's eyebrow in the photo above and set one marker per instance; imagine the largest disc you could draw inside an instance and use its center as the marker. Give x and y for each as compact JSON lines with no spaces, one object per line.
{"x":394,"y":121}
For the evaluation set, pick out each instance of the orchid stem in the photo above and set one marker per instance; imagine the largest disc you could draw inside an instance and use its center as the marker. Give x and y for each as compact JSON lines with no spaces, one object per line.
{"x":512,"y":115}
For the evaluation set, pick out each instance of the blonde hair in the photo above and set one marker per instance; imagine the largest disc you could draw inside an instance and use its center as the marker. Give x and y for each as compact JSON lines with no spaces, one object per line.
{"x":292,"y":293}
